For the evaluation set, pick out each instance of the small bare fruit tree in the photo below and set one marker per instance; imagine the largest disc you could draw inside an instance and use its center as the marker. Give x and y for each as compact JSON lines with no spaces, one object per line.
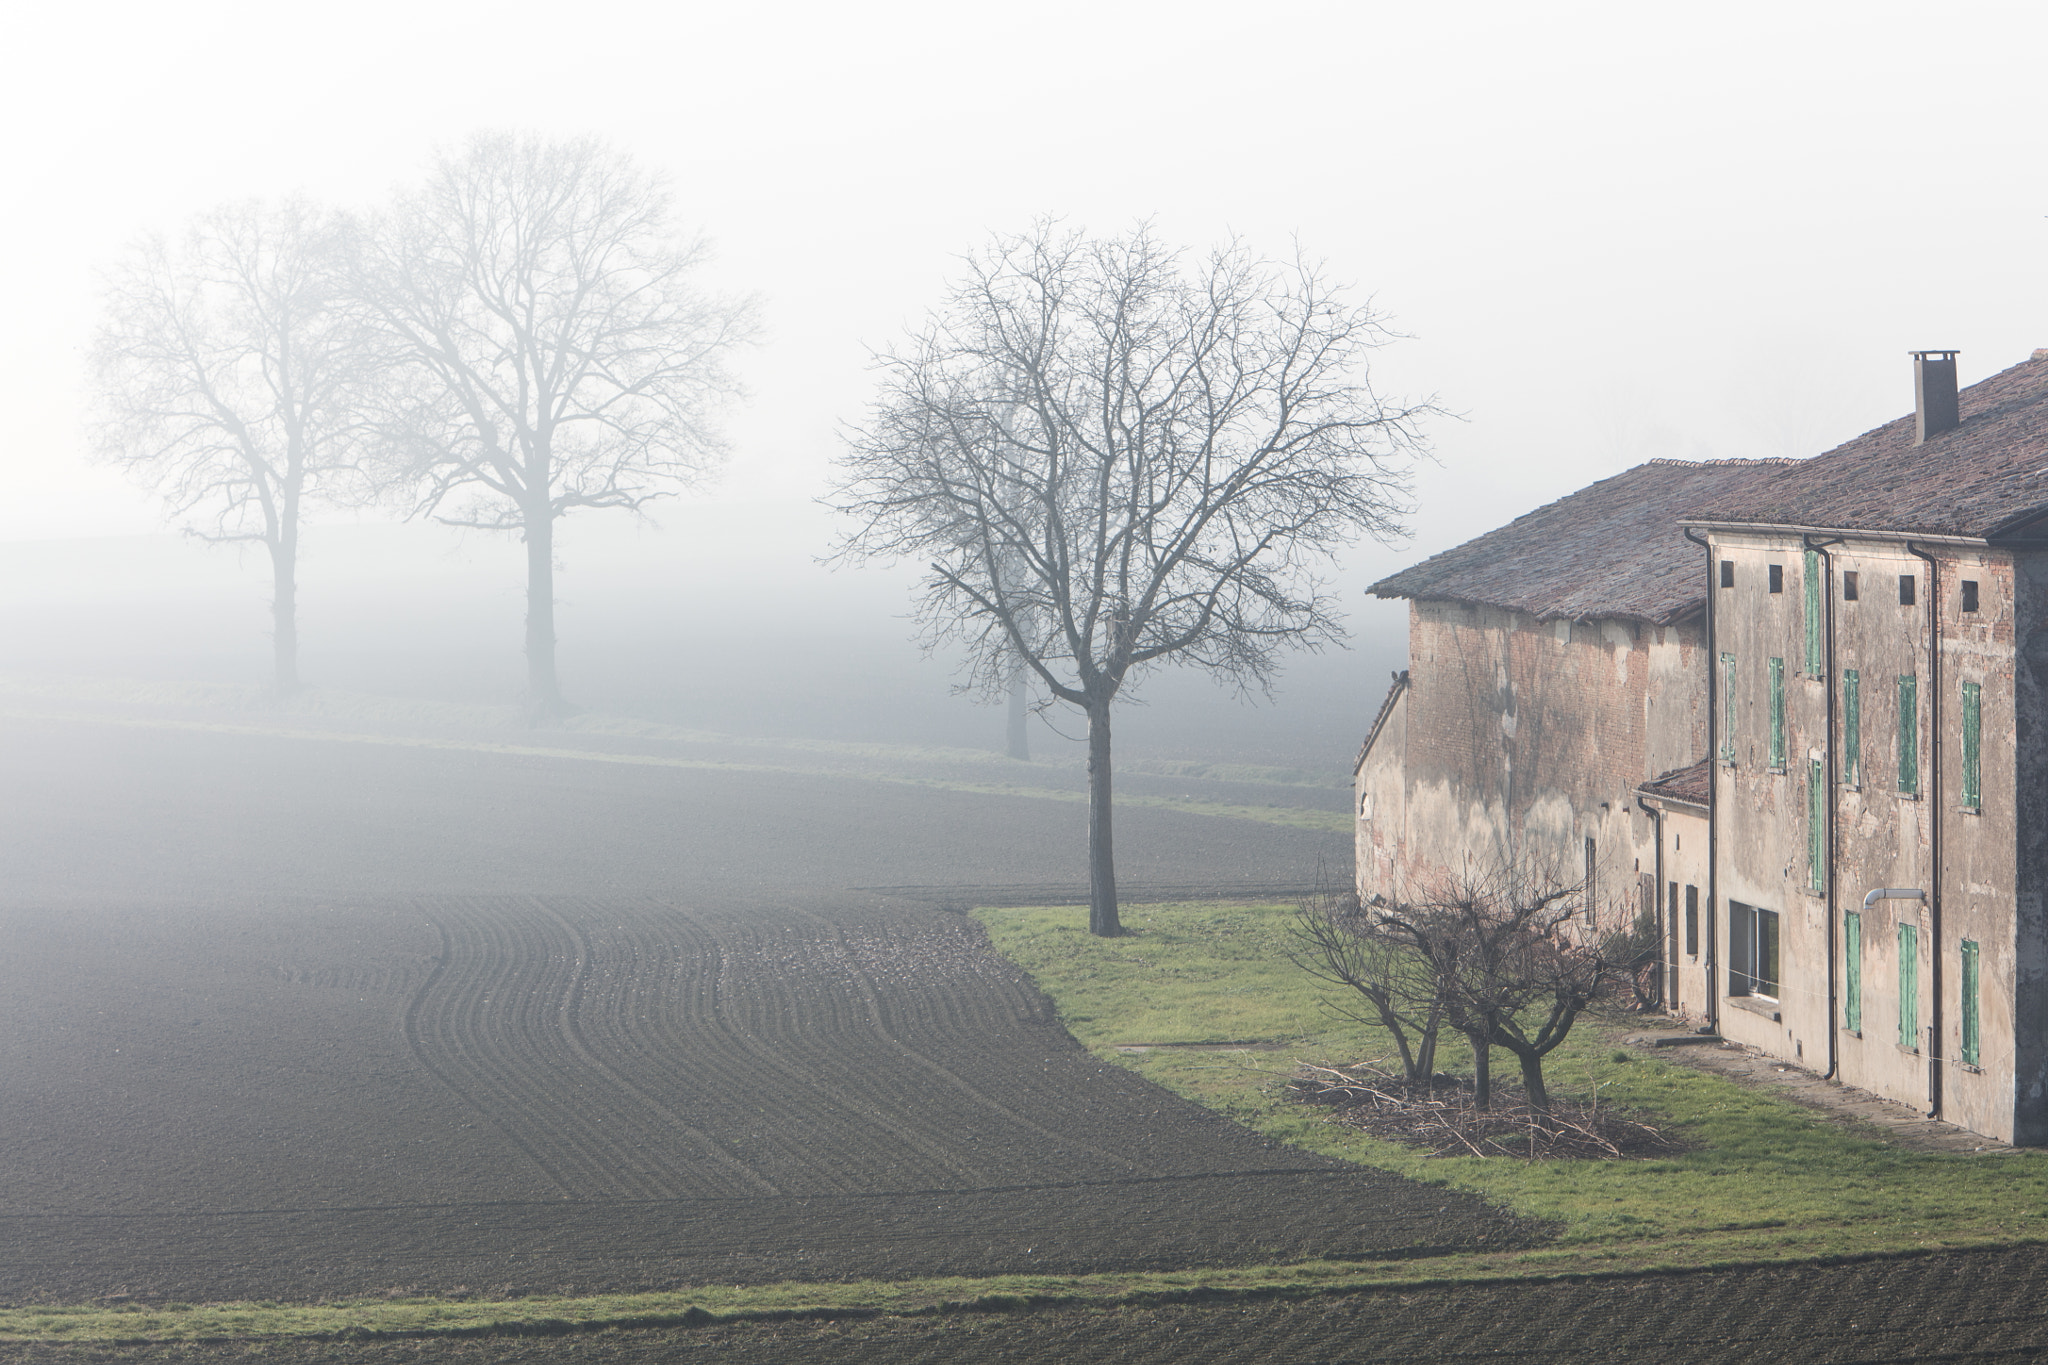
{"x":1113,"y":458}
{"x":1505,"y":959}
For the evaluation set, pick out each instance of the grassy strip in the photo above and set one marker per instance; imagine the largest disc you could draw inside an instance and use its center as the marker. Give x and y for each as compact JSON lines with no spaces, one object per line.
{"x":1292,"y":817}
{"x":1777,"y":1179}
{"x":137,"y":1323}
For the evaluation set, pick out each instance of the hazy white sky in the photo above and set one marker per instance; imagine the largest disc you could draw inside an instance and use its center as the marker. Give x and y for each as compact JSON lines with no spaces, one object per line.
{"x":1616,"y":230}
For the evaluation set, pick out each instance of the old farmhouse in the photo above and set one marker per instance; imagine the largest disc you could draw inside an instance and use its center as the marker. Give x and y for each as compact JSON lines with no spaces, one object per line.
{"x":1796,"y":711}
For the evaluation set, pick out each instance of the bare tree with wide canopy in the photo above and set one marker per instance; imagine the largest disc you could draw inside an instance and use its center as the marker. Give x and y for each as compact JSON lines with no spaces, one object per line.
{"x":1114,"y":459}
{"x":561,"y":356}
{"x":230,"y":374}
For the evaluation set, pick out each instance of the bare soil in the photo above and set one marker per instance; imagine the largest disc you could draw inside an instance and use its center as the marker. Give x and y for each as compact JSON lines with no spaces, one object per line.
{"x":530,"y":1094}
{"x":1970,"y":1307}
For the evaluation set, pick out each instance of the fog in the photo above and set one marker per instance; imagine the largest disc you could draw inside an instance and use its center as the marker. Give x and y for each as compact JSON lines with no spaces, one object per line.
{"x":1611,"y":232}
{"x":724,"y":623}
{"x":444,"y":990}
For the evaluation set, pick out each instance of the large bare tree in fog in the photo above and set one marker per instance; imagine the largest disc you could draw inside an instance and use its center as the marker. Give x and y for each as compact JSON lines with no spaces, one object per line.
{"x":561,"y":356}
{"x":229,"y":373}
{"x":1113,"y":458}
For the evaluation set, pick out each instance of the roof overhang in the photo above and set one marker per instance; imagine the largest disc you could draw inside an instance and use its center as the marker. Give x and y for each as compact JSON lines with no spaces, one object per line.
{"x":1763,"y":528}
{"x":1696,"y":607}
{"x":1676,"y":805}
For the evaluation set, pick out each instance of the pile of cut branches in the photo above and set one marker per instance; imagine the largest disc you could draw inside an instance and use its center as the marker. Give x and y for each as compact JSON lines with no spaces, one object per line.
{"x":1440,"y":1117}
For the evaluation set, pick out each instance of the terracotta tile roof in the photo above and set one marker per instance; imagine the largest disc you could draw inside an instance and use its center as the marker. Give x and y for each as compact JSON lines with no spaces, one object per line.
{"x":1986,"y":477}
{"x":1688,"y":785}
{"x":1612,"y":550}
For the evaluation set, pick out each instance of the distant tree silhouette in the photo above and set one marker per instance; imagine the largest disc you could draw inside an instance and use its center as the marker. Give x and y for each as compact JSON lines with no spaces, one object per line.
{"x":231,"y":373}
{"x":558,"y":353}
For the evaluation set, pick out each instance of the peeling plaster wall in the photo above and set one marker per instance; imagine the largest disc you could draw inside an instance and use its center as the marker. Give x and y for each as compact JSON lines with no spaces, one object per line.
{"x":1762,"y":845}
{"x":1520,"y":738}
{"x":1877,"y":834}
{"x":1685,"y":865}
{"x":1380,"y":805}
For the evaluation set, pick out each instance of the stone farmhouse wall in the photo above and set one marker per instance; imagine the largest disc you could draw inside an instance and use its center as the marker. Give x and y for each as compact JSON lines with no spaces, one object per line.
{"x":1520,"y":739}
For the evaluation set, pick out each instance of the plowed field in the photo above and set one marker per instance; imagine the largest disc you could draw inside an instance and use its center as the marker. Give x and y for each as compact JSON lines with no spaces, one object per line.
{"x":556,"y":1093}
{"x":1975,"y":1307}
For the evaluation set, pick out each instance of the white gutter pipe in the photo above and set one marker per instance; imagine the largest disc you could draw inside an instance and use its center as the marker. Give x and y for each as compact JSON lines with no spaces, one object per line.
{"x":1894,"y":893}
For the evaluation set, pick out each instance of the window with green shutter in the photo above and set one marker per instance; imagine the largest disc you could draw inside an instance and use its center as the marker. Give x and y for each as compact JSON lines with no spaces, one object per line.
{"x":1969,"y":1002}
{"x":1852,"y":727}
{"x":1973,"y":738}
{"x":1909,"y":986}
{"x":1909,"y":734}
{"x":1778,"y":714}
{"x":1728,"y":708}
{"x":1816,"y":827}
{"x":1813,"y":631}
{"x":1852,"y":975}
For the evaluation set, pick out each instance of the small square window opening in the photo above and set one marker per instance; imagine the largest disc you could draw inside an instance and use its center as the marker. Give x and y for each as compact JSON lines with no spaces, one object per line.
{"x":1969,"y":594}
{"x":1905,"y":590}
{"x":1849,"y":586}
{"x":1727,"y":573}
{"x":1777,"y":578}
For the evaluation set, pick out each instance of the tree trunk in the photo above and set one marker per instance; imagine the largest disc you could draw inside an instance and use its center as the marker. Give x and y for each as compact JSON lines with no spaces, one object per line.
{"x":284,"y":610}
{"x":544,"y":695}
{"x":1482,"y":1074}
{"x":1020,"y":737}
{"x":1102,"y":916}
{"x":1532,"y":1082}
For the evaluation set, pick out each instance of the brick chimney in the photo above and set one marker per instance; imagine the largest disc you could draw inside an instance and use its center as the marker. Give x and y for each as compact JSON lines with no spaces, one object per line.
{"x":1934,"y":394}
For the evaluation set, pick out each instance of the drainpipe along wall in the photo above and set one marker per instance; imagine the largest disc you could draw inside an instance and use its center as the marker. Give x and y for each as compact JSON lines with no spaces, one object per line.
{"x":1934,"y":822}
{"x":1713,"y":1003}
{"x":1827,"y":583}
{"x":1665,"y":962}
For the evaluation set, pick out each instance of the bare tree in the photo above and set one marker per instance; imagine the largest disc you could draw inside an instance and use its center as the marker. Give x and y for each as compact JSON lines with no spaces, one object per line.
{"x":1113,"y":460}
{"x":561,"y":356}
{"x":1508,"y":967}
{"x":1335,"y":940}
{"x":230,"y":374}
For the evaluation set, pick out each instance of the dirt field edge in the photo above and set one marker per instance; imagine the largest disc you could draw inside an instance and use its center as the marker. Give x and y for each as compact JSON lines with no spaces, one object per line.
{"x":128,"y":1324}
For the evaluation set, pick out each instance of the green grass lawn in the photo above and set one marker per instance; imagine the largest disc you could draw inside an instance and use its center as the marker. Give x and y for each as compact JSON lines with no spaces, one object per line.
{"x":1764,"y":1177}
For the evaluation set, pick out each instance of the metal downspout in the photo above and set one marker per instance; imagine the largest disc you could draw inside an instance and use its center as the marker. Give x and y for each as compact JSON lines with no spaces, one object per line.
{"x":1713,"y":1001}
{"x":1665,"y":964}
{"x":1827,"y":586}
{"x":1934,"y":822}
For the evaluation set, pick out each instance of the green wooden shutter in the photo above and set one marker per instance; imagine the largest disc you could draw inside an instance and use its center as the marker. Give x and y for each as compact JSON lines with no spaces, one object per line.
{"x":1778,"y":713}
{"x":1909,"y":985}
{"x":1973,"y":766}
{"x":1909,"y":734}
{"x":1969,"y":1002}
{"x":1816,"y":827}
{"x":1852,"y":975}
{"x":1852,"y":727}
{"x":1728,"y":708}
{"x":1813,"y":631}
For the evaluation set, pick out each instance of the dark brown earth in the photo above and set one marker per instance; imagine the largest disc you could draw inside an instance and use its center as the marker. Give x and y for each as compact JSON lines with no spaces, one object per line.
{"x":557,"y":1094}
{"x":1974,"y":1307}
{"x":709,"y":1065}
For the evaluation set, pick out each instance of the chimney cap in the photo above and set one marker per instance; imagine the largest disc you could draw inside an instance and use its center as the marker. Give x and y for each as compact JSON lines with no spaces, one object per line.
{"x":1950,"y":355}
